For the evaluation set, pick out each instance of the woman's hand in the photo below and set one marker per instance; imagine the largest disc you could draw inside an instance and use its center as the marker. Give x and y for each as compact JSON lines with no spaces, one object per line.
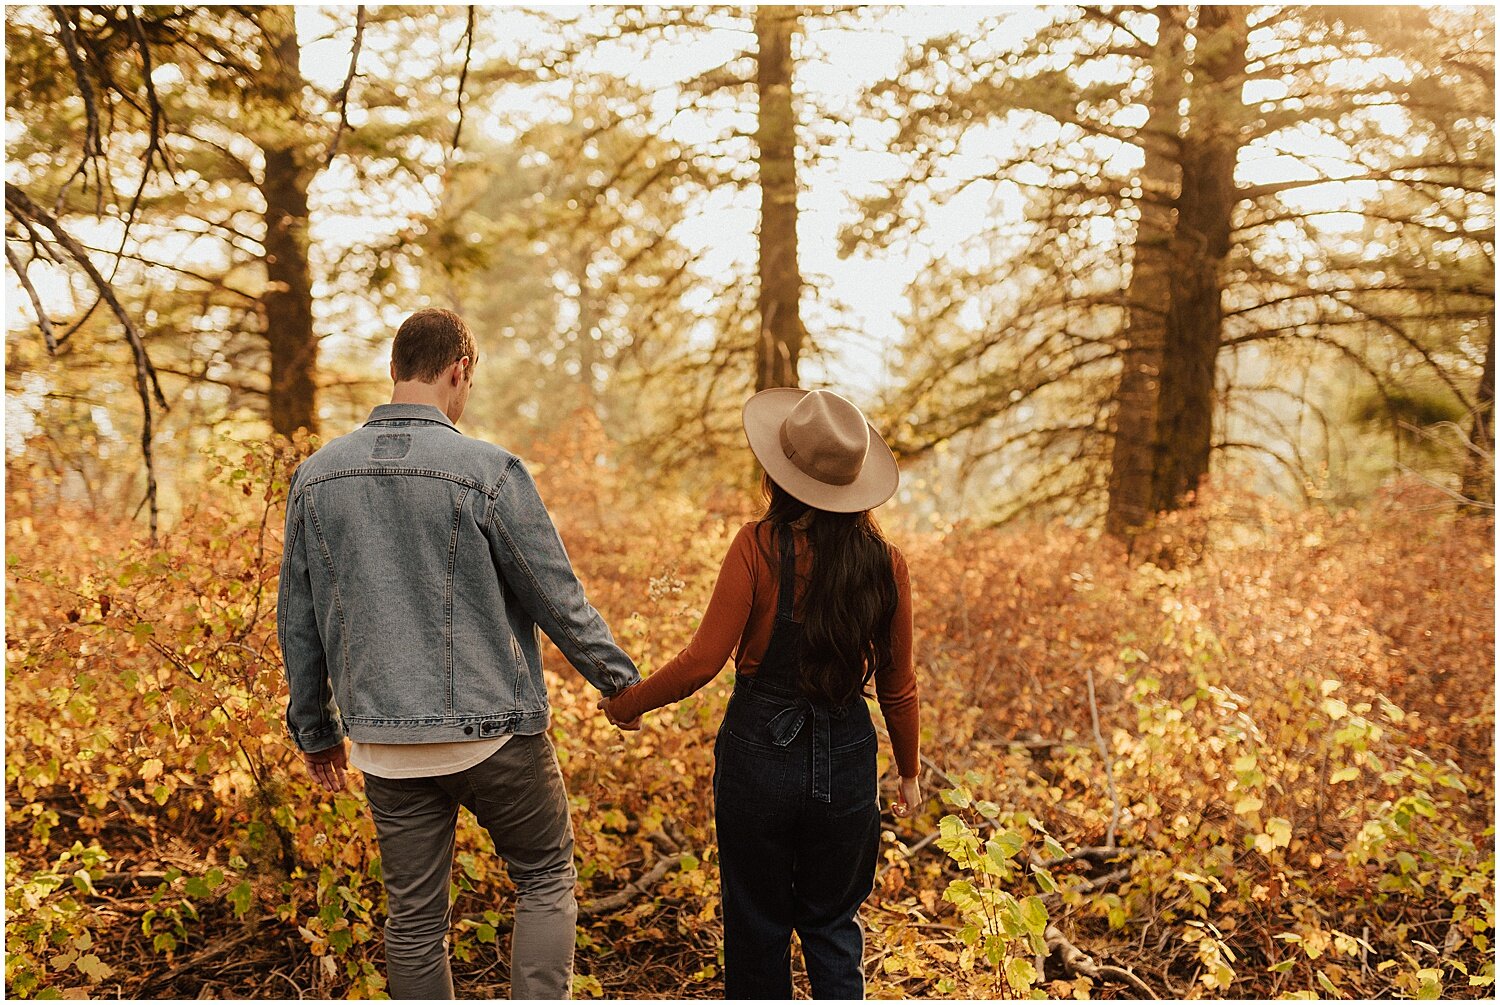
{"x":909,"y":797}
{"x":604,"y":706}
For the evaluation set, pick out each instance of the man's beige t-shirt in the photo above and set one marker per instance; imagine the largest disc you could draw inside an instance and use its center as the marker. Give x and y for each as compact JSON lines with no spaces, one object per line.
{"x":421,"y":760}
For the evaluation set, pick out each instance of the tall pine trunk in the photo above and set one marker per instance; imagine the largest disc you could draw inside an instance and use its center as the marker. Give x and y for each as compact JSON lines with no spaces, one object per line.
{"x":288,"y":297}
{"x":1137,"y":398}
{"x":1479,"y":472}
{"x":781,"y":332}
{"x":587,"y":347}
{"x":1205,"y":219}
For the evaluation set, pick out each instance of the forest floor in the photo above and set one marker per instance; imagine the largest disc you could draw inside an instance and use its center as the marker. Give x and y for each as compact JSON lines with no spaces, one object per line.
{"x":1255,"y":761}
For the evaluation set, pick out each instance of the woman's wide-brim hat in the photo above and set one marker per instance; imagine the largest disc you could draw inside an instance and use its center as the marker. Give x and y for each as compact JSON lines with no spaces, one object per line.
{"x":821,"y":449}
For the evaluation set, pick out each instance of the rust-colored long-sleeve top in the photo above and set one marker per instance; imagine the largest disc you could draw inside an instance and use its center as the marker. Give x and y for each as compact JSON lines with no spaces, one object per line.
{"x":740,"y":617}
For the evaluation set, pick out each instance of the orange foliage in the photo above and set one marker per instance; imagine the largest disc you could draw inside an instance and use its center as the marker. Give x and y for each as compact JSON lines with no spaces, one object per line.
{"x":1297,"y":709}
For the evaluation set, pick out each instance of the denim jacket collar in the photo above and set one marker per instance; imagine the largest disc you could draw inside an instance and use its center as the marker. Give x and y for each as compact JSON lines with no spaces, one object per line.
{"x":408,"y":411}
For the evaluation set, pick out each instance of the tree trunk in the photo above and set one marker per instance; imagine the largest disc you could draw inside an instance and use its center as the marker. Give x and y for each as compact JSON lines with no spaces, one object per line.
{"x":288,"y":297}
{"x":781,"y":331}
{"x":587,"y":348}
{"x":1137,"y":397}
{"x":1205,"y":215}
{"x":1479,"y":470}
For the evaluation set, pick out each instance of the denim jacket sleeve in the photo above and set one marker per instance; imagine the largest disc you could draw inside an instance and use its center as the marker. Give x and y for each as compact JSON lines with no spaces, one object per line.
{"x":531,"y":557}
{"x":312,"y":716}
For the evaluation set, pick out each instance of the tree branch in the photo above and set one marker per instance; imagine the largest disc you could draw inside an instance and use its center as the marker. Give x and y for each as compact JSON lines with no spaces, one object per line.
{"x":36,"y":302}
{"x":20,"y":204}
{"x":343,"y":98}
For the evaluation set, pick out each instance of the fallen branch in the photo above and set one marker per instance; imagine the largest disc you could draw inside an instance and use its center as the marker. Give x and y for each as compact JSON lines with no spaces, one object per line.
{"x":1100,"y":854}
{"x":1109,"y":771}
{"x":113,"y":879}
{"x":618,"y":899}
{"x":1080,"y":964}
{"x":1099,"y":882}
{"x":196,"y":961}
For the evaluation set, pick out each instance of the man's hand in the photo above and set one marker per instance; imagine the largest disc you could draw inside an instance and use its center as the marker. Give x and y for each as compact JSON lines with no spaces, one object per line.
{"x":327,"y":766}
{"x":909,"y":798}
{"x":604,"y":705}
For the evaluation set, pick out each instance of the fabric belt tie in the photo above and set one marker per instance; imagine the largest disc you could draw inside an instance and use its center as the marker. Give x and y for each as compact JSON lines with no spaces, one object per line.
{"x":785,"y":726}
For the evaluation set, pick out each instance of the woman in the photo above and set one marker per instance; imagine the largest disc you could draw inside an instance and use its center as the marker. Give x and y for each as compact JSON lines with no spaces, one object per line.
{"x":814,"y":603}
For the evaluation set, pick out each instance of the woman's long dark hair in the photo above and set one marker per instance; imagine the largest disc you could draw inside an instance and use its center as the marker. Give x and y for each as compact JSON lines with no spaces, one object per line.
{"x":850,"y":602}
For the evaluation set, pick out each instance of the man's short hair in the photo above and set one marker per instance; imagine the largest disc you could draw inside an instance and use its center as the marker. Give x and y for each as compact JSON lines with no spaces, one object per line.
{"x":429,"y":342}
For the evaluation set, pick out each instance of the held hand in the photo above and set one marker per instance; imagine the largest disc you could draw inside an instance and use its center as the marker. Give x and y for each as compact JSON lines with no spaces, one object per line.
{"x":909,"y":798}
{"x":604,"y":705}
{"x":328,"y":766}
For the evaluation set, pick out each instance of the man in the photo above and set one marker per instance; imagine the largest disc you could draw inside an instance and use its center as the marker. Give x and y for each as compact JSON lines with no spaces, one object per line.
{"x":418,"y":566}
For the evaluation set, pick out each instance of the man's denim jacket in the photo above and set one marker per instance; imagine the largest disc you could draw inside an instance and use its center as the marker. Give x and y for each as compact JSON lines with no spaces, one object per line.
{"x":418,"y":564}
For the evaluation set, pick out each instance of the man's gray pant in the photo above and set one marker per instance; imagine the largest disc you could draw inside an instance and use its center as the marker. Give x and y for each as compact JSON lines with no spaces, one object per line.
{"x":518,"y":796}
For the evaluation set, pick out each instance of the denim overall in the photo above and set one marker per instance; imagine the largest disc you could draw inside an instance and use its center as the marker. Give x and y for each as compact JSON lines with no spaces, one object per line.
{"x":797,"y":808}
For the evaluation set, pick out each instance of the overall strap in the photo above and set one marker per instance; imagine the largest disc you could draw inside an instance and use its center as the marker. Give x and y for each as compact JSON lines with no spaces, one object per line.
{"x":787,"y":591}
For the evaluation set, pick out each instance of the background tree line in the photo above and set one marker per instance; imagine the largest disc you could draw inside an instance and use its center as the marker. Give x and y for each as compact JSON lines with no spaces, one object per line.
{"x":1253,"y":239}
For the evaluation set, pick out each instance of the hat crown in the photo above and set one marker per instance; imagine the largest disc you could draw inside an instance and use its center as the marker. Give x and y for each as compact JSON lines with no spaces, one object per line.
{"x":826,"y":437}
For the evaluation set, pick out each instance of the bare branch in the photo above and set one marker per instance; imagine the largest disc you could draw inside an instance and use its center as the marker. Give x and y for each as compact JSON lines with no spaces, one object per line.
{"x":36,"y":301}
{"x":343,"y":98}
{"x":20,"y":204}
{"x":463,"y":75}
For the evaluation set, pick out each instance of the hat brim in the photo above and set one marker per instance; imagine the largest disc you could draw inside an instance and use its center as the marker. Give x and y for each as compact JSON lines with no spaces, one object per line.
{"x":877,"y":479}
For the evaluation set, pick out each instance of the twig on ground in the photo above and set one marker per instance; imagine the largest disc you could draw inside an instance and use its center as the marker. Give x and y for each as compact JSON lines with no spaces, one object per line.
{"x":911,"y":853}
{"x":620,"y":898}
{"x":1100,"y":854}
{"x":196,"y":961}
{"x":1055,"y":897}
{"x":1109,"y":771}
{"x":1079,"y":963}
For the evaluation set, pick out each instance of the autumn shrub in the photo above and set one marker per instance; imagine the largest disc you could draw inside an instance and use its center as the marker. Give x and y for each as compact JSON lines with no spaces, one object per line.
{"x":1256,"y":761}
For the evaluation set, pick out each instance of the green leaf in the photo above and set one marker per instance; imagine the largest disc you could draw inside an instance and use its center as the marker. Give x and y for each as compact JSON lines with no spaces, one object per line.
{"x":1279,"y":831}
{"x":1020,"y":974}
{"x":1004,"y":846}
{"x":94,"y":968}
{"x":240,"y":897}
{"x":1034,"y":915}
